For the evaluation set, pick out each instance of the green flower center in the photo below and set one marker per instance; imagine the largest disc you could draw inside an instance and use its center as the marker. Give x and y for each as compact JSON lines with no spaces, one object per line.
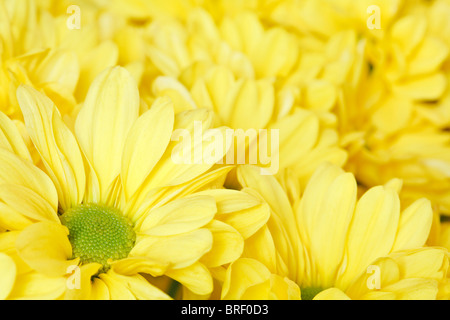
{"x":98,"y":233}
{"x":310,"y":293}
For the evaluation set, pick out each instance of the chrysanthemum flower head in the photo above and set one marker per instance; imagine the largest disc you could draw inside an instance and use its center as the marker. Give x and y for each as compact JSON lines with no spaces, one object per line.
{"x":331,"y":241}
{"x":112,"y":203}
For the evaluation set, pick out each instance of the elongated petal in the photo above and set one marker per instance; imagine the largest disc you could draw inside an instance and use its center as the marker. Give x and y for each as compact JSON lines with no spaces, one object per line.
{"x":133,"y":287}
{"x":283,"y":288}
{"x":414,"y":226}
{"x":110,"y":109}
{"x":376,"y":217}
{"x":79,"y":283}
{"x":146,"y":143}
{"x":135,"y":265}
{"x":331,"y":294}
{"x":45,"y":247}
{"x":117,"y":288}
{"x":242,"y":211}
{"x":38,"y":286}
{"x":180,"y":251}
{"x":324,"y":216}
{"x":199,"y":149}
{"x":7,"y":276}
{"x":414,"y":289}
{"x":179,"y":216}
{"x":196,"y":278}
{"x":27,"y":202}
{"x":11,"y":139}
{"x":228,"y":244}
{"x":56,"y":145}
{"x":241,"y":276}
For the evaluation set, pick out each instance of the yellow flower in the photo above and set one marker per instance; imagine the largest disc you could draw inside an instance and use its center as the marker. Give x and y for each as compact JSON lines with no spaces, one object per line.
{"x":112,"y":204}
{"x":392,"y":117}
{"x":329,"y":239}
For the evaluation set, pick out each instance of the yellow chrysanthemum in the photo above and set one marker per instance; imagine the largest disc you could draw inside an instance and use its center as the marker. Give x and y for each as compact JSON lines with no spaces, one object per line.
{"x":112,"y":203}
{"x":331,"y":241}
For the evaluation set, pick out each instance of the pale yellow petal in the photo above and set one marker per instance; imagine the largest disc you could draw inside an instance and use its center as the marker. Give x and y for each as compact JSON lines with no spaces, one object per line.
{"x":241,"y":210}
{"x":79,"y":281}
{"x":199,"y":149}
{"x":109,"y":111}
{"x":324,"y":216}
{"x":242,"y":275}
{"x":331,"y":294}
{"x":135,"y":265}
{"x":7,"y":275}
{"x":227,"y":246}
{"x":46,"y":248}
{"x":38,"y":286}
{"x":136,"y":286}
{"x":376,"y":217}
{"x":283,"y":289}
{"x":146,"y":143}
{"x":55,"y":143}
{"x":179,"y":216}
{"x":414,"y":289}
{"x":11,"y":139}
{"x":426,"y":262}
{"x":179,"y":251}
{"x":414,"y":225}
{"x":118,"y":288}
{"x":195,"y":277}
{"x":28,"y":203}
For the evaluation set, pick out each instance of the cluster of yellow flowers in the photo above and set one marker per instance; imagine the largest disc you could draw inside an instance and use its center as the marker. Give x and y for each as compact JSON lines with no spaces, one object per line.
{"x":314,"y":137}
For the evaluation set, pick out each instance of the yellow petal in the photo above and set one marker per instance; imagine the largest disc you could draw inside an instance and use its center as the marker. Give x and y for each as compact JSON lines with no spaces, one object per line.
{"x":179,"y":216}
{"x":429,"y":87}
{"x":302,"y":126}
{"x":118,"y":288}
{"x":110,"y":109}
{"x":56,"y":145}
{"x":61,"y":67}
{"x":145,"y":144}
{"x":199,"y":149}
{"x":93,"y":62}
{"x":324,"y":216}
{"x":79,"y":283}
{"x":409,"y":31}
{"x":11,"y":139}
{"x":38,"y":286}
{"x":11,"y":219}
{"x":381,"y":273}
{"x":28,"y":203}
{"x":331,"y":294}
{"x":99,"y":290}
{"x":45,"y":247}
{"x":241,"y":276}
{"x":271,"y":192}
{"x":428,"y":57}
{"x":429,"y":263}
{"x":136,"y":286}
{"x":196,"y":278}
{"x":376,"y":217}
{"x":24,"y":175}
{"x":135,"y":265}
{"x":261,"y":247}
{"x":227,"y":245}
{"x":414,"y":226}
{"x":283,"y":288}
{"x":240,"y":210}
{"x":7,"y":275}
{"x":180,"y":251}
{"x":320,"y":95}
{"x":414,"y":289}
